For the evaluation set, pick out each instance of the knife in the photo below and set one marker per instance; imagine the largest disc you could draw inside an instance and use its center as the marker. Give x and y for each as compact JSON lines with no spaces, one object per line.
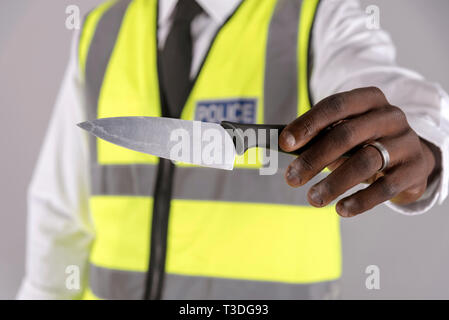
{"x":187,"y":141}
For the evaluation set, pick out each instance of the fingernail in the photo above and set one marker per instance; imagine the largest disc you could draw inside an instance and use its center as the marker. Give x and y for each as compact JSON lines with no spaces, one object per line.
{"x":293,"y":176}
{"x":288,"y":138}
{"x":344,"y":208}
{"x":315,"y":196}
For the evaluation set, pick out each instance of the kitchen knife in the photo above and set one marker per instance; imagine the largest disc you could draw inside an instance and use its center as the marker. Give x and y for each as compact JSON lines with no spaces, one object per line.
{"x":186,"y":141}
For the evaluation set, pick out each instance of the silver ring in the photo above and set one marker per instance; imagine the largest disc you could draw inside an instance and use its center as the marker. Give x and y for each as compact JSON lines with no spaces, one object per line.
{"x":383,"y":153}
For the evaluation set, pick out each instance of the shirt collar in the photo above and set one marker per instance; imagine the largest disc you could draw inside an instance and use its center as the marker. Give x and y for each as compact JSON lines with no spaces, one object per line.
{"x":218,"y":10}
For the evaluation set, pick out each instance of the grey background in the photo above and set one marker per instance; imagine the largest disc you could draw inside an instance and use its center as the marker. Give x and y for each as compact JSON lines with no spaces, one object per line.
{"x":412,"y":252}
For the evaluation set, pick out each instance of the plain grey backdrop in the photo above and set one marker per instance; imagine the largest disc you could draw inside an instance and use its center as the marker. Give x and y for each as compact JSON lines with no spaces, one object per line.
{"x":411,"y":252}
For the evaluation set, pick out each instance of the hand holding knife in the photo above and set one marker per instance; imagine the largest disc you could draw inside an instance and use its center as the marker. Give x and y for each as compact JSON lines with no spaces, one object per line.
{"x":358,"y":134}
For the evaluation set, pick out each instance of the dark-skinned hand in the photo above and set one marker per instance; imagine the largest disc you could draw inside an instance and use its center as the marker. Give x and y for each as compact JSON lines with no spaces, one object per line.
{"x":340,"y":123}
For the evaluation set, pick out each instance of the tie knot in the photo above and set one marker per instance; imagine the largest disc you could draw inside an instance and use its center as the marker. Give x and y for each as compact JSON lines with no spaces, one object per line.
{"x":187,"y":10}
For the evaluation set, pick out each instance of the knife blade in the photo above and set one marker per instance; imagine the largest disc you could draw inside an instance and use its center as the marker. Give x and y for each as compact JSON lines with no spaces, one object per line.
{"x":174,"y":139}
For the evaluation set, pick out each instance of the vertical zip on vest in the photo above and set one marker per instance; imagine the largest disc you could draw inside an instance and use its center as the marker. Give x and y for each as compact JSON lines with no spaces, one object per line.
{"x":159,"y":230}
{"x":163,"y":193}
{"x":161,"y":210}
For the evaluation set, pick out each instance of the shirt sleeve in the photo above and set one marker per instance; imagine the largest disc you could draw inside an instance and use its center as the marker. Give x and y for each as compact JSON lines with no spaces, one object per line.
{"x":59,"y":228}
{"x":349,"y":53}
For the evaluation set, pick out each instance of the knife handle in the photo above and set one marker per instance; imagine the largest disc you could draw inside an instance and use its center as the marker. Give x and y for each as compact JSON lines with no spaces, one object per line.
{"x":240,"y":131}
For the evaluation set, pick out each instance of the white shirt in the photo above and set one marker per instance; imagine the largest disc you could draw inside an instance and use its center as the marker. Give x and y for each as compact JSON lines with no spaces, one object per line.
{"x":60,"y":230}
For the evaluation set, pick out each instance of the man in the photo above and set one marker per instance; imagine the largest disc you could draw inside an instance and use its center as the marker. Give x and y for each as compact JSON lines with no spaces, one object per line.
{"x":139,"y":228}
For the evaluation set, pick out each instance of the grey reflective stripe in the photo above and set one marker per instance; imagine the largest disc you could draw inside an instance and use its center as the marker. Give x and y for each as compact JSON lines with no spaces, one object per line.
{"x":237,"y":186}
{"x":201,"y":184}
{"x":100,"y":50}
{"x":181,"y":287}
{"x":132,"y":180}
{"x":116,"y":284}
{"x":281,"y":69}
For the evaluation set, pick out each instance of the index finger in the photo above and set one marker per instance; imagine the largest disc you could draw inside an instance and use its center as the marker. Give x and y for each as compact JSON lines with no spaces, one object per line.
{"x":328,"y":112}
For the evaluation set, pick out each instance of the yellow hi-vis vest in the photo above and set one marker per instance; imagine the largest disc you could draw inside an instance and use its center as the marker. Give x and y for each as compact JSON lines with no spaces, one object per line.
{"x":229,"y":234}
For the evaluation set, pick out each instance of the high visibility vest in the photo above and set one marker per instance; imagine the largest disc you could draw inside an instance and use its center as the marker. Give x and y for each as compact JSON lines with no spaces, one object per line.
{"x":229,"y":234}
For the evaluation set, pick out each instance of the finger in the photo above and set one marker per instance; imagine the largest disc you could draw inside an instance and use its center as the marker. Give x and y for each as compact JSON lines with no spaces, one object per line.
{"x":403,"y":148}
{"x":361,"y":166}
{"x":410,"y":195}
{"x":343,"y":138}
{"x":337,"y":163}
{"x":383,"y":189}
{"x":327,"y":112}
{"x":373,"y":178}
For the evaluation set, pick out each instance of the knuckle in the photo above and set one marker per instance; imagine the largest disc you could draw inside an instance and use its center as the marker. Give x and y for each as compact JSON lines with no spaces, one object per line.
{"x":308,"y":126}
{"x":335,"y":104}
{"x":389,"y":188}
{"x":305,"y":163}
{"x":345,"y":133}
{"x":415,"y":140}
{"x":398,"y":115}
{"x":376,"y":92}
{"x":369,"y":161}
{"x":418,"y":191}
{"x":420,"y":169}
{"x":413,"y":151}
{"x":415,"y":169}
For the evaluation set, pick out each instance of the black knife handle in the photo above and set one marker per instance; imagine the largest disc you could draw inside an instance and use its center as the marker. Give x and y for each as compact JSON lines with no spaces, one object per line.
{"x":240,"y":131}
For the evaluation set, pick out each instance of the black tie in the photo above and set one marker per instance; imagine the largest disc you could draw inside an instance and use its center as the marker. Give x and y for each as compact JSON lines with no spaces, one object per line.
{"x":176,"y":57}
